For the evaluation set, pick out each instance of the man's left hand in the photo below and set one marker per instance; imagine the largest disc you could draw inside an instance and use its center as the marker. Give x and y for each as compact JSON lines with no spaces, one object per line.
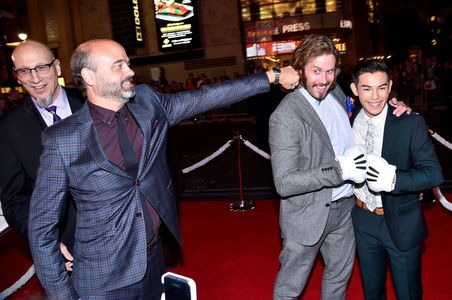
{"x":380,"y":174}
{"x":400,"y":107}
{"x":289,"y":78}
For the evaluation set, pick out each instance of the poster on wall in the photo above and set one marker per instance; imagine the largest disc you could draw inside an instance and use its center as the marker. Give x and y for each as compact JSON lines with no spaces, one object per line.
{"x":271,"y":48}
{"x":177,"y":24}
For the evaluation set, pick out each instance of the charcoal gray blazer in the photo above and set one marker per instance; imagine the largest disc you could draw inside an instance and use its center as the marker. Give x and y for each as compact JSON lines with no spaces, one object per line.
{"x":20,"y":149}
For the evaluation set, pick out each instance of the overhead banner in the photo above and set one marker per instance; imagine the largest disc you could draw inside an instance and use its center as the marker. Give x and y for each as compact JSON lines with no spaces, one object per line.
{"x":177,"y":24}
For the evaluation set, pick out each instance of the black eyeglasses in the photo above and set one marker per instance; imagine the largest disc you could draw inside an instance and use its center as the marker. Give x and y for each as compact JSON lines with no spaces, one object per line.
{"x":39,"y":69}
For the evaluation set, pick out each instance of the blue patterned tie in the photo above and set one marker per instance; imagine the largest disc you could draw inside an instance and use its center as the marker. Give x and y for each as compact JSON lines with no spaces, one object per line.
{"x":52,"y":109}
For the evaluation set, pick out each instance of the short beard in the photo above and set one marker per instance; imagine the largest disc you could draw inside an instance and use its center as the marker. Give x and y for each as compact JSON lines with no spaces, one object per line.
{"x":112,"y":91}
{"x":45,"y":102}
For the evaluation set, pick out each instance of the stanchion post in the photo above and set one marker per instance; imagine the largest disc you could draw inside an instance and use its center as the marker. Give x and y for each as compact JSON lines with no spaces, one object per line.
{"x":241,"y":205}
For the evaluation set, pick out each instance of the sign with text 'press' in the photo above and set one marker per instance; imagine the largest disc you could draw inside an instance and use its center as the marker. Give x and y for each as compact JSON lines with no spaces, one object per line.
{"x":177,"y":24}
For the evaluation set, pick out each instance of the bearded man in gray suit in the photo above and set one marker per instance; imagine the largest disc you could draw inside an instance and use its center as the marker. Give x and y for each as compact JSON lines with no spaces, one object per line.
{"x":313,"y":170}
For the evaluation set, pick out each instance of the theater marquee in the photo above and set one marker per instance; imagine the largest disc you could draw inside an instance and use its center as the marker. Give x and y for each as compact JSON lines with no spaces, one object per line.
{"x":177,"y":24}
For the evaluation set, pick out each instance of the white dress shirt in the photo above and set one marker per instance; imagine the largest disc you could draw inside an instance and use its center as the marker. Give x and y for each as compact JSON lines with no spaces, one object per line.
{"x":359,"y":137}
{"x":337,"y":124}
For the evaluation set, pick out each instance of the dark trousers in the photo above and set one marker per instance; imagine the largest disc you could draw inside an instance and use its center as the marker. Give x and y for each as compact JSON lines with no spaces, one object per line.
{"x":375,"y":246}
{"x":149,"y":288}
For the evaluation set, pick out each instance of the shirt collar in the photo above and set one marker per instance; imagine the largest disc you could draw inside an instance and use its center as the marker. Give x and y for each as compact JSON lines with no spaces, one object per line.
{"x":106,"y":115}
{"x":314,"y":102}
{"x":101,"y":114}
{"x":378,"y":119}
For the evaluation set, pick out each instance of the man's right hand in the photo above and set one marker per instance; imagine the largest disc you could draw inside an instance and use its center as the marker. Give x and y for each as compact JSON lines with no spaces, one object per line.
{"x":353,"y":164}
{"x":68,"y":256}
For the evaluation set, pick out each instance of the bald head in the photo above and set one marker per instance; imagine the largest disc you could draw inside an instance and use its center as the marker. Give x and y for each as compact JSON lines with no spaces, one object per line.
{"x":37,"y":71}
{"x":86,"y":56}
{"x":31,"y":51}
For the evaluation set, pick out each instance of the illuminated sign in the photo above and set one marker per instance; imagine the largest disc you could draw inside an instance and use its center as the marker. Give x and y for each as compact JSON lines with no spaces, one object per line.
{"x":296,"y":27}
{"x":341,"y":47}
{"x":345,"y":24}
{"x":177,"y":24}
{"x":137,"y":21}
{"x":271,"y":48}
{"x":262,"y":31}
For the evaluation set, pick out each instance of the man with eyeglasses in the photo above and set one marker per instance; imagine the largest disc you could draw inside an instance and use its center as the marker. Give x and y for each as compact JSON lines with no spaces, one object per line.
{"x":37,"y":70}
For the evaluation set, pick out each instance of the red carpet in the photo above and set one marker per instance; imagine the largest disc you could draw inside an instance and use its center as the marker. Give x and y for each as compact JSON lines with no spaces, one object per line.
{"x":234,"y":255}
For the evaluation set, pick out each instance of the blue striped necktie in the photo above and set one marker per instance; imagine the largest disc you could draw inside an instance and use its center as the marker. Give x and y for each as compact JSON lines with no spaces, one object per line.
{"x":52,"y":109}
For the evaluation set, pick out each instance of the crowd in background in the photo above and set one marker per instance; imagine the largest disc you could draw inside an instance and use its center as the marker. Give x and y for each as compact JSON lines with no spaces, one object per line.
{"x":192,"y":82}
{"x":9,"y":100}
{"x":422,"y":85}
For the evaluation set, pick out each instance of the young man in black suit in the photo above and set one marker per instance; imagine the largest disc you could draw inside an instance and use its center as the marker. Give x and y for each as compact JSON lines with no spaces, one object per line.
{"x":387,"y":219}
{"x":37,"y":70}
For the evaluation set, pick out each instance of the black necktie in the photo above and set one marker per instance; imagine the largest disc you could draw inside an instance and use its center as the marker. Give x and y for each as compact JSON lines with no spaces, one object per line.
{"x":130,"y":159}
{"x":52,"y":110}
{"x":131,"y":166}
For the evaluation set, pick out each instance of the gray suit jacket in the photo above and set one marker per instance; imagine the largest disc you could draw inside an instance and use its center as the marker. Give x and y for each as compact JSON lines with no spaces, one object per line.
{"x":304,"y":167}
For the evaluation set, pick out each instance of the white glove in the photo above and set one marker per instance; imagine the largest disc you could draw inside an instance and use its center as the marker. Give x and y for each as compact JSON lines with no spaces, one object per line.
{"x":353,"y":163}
{"x":380,"y":174}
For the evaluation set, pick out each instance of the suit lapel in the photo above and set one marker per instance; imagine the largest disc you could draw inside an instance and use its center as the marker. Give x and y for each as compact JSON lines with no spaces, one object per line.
{"x":33,"y":117}
{"x":148,"y":122}
{"x":88,"y":135}
{"x":75,"y":100}
{"x":389,"y":135}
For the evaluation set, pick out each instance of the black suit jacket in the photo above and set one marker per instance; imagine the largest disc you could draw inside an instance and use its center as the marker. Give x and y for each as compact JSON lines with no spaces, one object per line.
{"x":407,"y":146}
{"x":20,"y":149}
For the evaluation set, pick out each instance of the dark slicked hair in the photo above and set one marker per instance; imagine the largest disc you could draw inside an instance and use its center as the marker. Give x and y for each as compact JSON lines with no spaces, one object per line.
{"x":369,"y":66}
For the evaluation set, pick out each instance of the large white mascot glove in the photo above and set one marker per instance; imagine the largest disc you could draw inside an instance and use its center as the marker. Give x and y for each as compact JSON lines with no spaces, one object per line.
{"x":353,"y":163}
{"x":380,"y":174}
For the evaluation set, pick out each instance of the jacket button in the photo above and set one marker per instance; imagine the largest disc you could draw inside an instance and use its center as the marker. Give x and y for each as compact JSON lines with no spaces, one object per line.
{"x":137,"y":182}
{"x":327,"y":205}
{"x":138,"y":215}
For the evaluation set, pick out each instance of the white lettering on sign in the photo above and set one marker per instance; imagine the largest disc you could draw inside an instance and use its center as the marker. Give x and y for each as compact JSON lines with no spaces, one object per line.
{"x":345,"y":24}
{"x":296,"y":27}
{"x":284,"y":47}
{"x":136,"y":16}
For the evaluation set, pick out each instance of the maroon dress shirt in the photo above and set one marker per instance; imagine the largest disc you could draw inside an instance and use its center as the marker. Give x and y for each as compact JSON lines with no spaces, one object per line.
{"x":106,"y":126}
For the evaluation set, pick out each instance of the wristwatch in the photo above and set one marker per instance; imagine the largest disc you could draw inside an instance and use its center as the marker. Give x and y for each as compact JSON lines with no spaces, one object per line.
{"x":277,"y":72}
